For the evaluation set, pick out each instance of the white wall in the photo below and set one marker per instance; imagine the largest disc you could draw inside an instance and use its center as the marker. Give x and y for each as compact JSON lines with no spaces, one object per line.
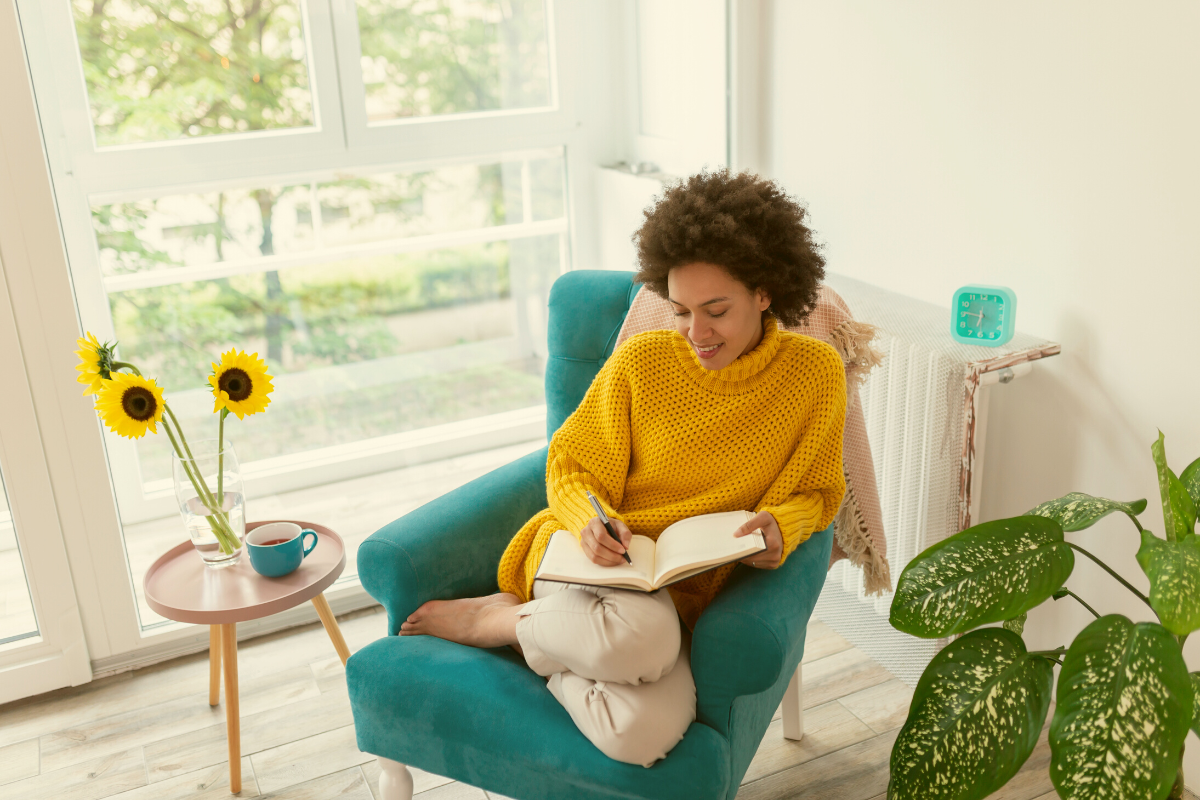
{"x":1050,"y":147}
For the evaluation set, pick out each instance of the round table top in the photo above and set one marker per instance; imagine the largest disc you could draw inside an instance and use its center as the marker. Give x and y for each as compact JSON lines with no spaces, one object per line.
{"x":180,"y":586}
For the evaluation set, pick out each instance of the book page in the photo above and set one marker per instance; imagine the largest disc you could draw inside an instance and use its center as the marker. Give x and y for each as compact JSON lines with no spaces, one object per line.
{"x":696,"y":543}
{"x":565,"y":561}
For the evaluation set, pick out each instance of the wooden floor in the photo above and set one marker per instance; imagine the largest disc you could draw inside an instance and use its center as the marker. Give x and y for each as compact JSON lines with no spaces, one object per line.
{"x":151,"y":733}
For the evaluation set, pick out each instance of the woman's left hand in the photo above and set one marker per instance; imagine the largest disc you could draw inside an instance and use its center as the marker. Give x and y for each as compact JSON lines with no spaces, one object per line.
{"x":765,"y":522}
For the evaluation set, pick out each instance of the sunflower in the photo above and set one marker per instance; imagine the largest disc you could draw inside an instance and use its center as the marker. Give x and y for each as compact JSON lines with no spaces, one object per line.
{"x":241,"y":383}
{"x":95,"y":363}
{"x":130,"y":404}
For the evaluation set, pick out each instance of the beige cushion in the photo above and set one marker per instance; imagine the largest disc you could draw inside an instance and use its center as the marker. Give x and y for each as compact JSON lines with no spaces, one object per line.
{"x":858,"y":527}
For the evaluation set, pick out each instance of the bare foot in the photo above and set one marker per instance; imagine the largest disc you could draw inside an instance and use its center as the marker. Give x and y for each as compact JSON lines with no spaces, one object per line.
{"x":476,"y":621}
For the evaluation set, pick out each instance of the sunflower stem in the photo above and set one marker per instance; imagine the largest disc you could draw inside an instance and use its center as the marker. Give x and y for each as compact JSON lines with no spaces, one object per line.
{"x":126,"y":365}
{"x":221,"y":528}
{"x":221,"y":457}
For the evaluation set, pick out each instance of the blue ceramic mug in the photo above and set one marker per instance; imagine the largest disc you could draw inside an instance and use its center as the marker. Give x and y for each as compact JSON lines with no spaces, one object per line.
{"x":277,"y":548}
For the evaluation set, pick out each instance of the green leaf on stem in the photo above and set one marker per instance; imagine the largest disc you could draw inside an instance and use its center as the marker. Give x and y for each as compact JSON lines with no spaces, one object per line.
{"x":1124,"y":707}
{"x":975,"y":717}
{"x":1174,"y":572}
{"x":1190,"y":478}
{"x":1076,"y":511}
{"x":1179,"y":511}
{"x":988,"y":573}
{"x":1016,"y":624}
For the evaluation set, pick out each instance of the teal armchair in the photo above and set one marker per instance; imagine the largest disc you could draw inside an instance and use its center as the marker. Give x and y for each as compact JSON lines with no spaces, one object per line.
{"x":482,"y":716}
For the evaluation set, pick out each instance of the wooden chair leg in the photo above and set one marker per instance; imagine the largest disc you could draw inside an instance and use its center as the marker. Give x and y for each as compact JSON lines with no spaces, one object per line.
{"x":214,"y":664}
{"x":232,"y":723}
{"x":395,"y":781}
{"x":793,"y":707}
{"x":331,"y":627}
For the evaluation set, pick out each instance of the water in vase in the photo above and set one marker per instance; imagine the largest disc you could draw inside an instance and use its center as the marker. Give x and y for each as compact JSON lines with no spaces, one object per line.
{"x":201,"y":531}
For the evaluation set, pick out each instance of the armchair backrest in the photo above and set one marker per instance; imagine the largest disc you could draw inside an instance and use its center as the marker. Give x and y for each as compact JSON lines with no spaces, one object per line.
{"x":587,"y":308}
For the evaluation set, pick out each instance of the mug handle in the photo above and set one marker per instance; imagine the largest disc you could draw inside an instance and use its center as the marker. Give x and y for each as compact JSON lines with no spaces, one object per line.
{"x":308,"y":532}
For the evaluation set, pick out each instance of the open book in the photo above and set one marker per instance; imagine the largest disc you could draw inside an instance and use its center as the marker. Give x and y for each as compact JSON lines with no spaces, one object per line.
{"x":686,"y":548}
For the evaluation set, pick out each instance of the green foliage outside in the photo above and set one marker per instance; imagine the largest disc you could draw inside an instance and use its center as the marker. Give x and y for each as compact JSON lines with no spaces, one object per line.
{"x":1125,"y":700}
{"x":333,"y":313}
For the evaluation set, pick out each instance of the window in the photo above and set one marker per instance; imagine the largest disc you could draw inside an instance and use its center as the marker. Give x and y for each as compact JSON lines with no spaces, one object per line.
{"x":371,"y":195}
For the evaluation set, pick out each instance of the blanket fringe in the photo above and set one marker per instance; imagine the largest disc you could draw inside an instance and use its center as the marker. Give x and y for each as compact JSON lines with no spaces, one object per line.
{"x":850,"y":529}
{"x":852,"y":339}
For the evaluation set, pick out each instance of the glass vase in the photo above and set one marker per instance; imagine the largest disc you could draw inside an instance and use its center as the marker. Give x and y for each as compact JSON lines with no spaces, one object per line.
{"x":208,"y":487}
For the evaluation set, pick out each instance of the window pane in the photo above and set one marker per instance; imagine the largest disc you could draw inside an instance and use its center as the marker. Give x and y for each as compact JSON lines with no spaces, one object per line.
{"x":16,"y":606}
{"x":358,"y":348}
{"x":159,"y":70}
{"x":423,"y":58}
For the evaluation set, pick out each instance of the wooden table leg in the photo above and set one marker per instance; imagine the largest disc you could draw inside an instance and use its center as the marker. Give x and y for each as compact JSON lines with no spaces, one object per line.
{"x":331,"y":627}
{"x":232,"y":724}
{"x":214,"y":664}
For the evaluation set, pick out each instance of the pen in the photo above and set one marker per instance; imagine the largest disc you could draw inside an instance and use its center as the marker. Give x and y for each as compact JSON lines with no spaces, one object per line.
{"x":607,"y":525}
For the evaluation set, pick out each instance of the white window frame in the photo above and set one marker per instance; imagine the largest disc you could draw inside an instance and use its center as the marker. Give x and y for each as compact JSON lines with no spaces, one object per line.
{"x":80,"y":172}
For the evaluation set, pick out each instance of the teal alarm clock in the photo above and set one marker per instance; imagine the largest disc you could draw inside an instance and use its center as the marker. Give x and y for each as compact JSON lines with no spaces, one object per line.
{"x":984,"y":315}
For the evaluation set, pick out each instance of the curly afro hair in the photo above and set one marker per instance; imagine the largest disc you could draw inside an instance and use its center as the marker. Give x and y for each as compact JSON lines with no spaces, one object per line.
{"x":741,"y":222}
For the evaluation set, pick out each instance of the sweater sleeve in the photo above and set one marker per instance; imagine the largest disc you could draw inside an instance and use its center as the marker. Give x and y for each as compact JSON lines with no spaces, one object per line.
{"x":590,"y":452}
{"x":812,"y":484}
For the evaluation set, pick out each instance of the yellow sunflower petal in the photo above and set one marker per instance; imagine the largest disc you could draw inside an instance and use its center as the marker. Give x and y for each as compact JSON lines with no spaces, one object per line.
{"x":130,"y":405}
{"x":240,"y":383}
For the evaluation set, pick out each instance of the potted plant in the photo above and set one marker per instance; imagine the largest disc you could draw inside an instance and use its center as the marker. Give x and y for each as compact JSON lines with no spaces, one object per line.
{"x":1125,"y":699}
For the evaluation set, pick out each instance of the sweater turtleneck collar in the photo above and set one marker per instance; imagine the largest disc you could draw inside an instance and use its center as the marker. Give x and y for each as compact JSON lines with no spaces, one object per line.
{"x":745,"y":370}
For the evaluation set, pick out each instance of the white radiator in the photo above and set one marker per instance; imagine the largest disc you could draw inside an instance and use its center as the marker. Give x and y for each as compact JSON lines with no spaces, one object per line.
{"x":926,"y":411}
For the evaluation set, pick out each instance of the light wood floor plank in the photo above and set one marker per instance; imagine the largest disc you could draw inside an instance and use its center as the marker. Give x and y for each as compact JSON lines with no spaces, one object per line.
{"x":347,"y":784}
{"x":821,"y":640}
{"x":91,"y":780}
{"x":841,"y":674}
{"x":452,"y":791}
{"x":146,"y":725}
{"x":18,"y":761}
{"x":306,"y":759}
{"x":857,"y":772}
{"x":883,"y":707}
{"x":210,"y":783}
{"x":262,"y":731}
{"x":827,"y":728}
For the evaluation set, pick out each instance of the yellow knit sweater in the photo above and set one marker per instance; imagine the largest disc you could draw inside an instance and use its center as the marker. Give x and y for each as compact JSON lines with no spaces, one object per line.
{"x":659,"y":438}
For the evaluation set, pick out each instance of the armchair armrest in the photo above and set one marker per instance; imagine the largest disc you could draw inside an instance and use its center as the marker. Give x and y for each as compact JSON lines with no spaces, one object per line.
{"x":753,"y":631}
{"x":450,"y":547}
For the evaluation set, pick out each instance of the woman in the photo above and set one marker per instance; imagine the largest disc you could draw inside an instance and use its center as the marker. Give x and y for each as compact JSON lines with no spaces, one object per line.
{"x":726,"y":412}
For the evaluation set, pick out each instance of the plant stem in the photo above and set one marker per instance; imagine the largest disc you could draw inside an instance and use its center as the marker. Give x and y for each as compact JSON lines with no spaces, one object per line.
{"x":221,"y":458}
{"x":1110,"y":571}
{"x":1135,"y":521}
{"x":128,"y":366}
{"x":220,"y":526}
{"x":1082,"y":603}
{"x":206,"y":495}
{"x":223,"y":536}
{"x":1058,"y":651}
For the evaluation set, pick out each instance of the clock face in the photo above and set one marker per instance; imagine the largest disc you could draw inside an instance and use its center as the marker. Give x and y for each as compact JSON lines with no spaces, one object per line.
{"x":981,"y":316}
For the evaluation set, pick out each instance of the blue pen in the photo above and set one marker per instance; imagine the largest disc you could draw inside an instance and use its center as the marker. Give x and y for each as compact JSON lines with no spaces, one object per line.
{"x":607,"y":525}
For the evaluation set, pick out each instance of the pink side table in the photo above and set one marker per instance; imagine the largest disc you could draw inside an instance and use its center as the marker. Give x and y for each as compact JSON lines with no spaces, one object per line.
{"x":180,"y":587}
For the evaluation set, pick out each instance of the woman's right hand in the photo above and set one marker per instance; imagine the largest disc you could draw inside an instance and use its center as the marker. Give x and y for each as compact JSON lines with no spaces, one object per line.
{"x":600,"y":547}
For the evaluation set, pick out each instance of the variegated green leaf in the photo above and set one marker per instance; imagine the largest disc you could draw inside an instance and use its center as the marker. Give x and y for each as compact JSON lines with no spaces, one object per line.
{"x":975,"y":718}
{"x":987,"y":573}
{"x":1174,"y":572}
{"x":1196,"y":702}
{"x":1016,"y":624}
{"x":1190,"y":478}
{"x":1179,"y":512}
{"x":1076,"y":511}
{"x":1124,"y":707}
